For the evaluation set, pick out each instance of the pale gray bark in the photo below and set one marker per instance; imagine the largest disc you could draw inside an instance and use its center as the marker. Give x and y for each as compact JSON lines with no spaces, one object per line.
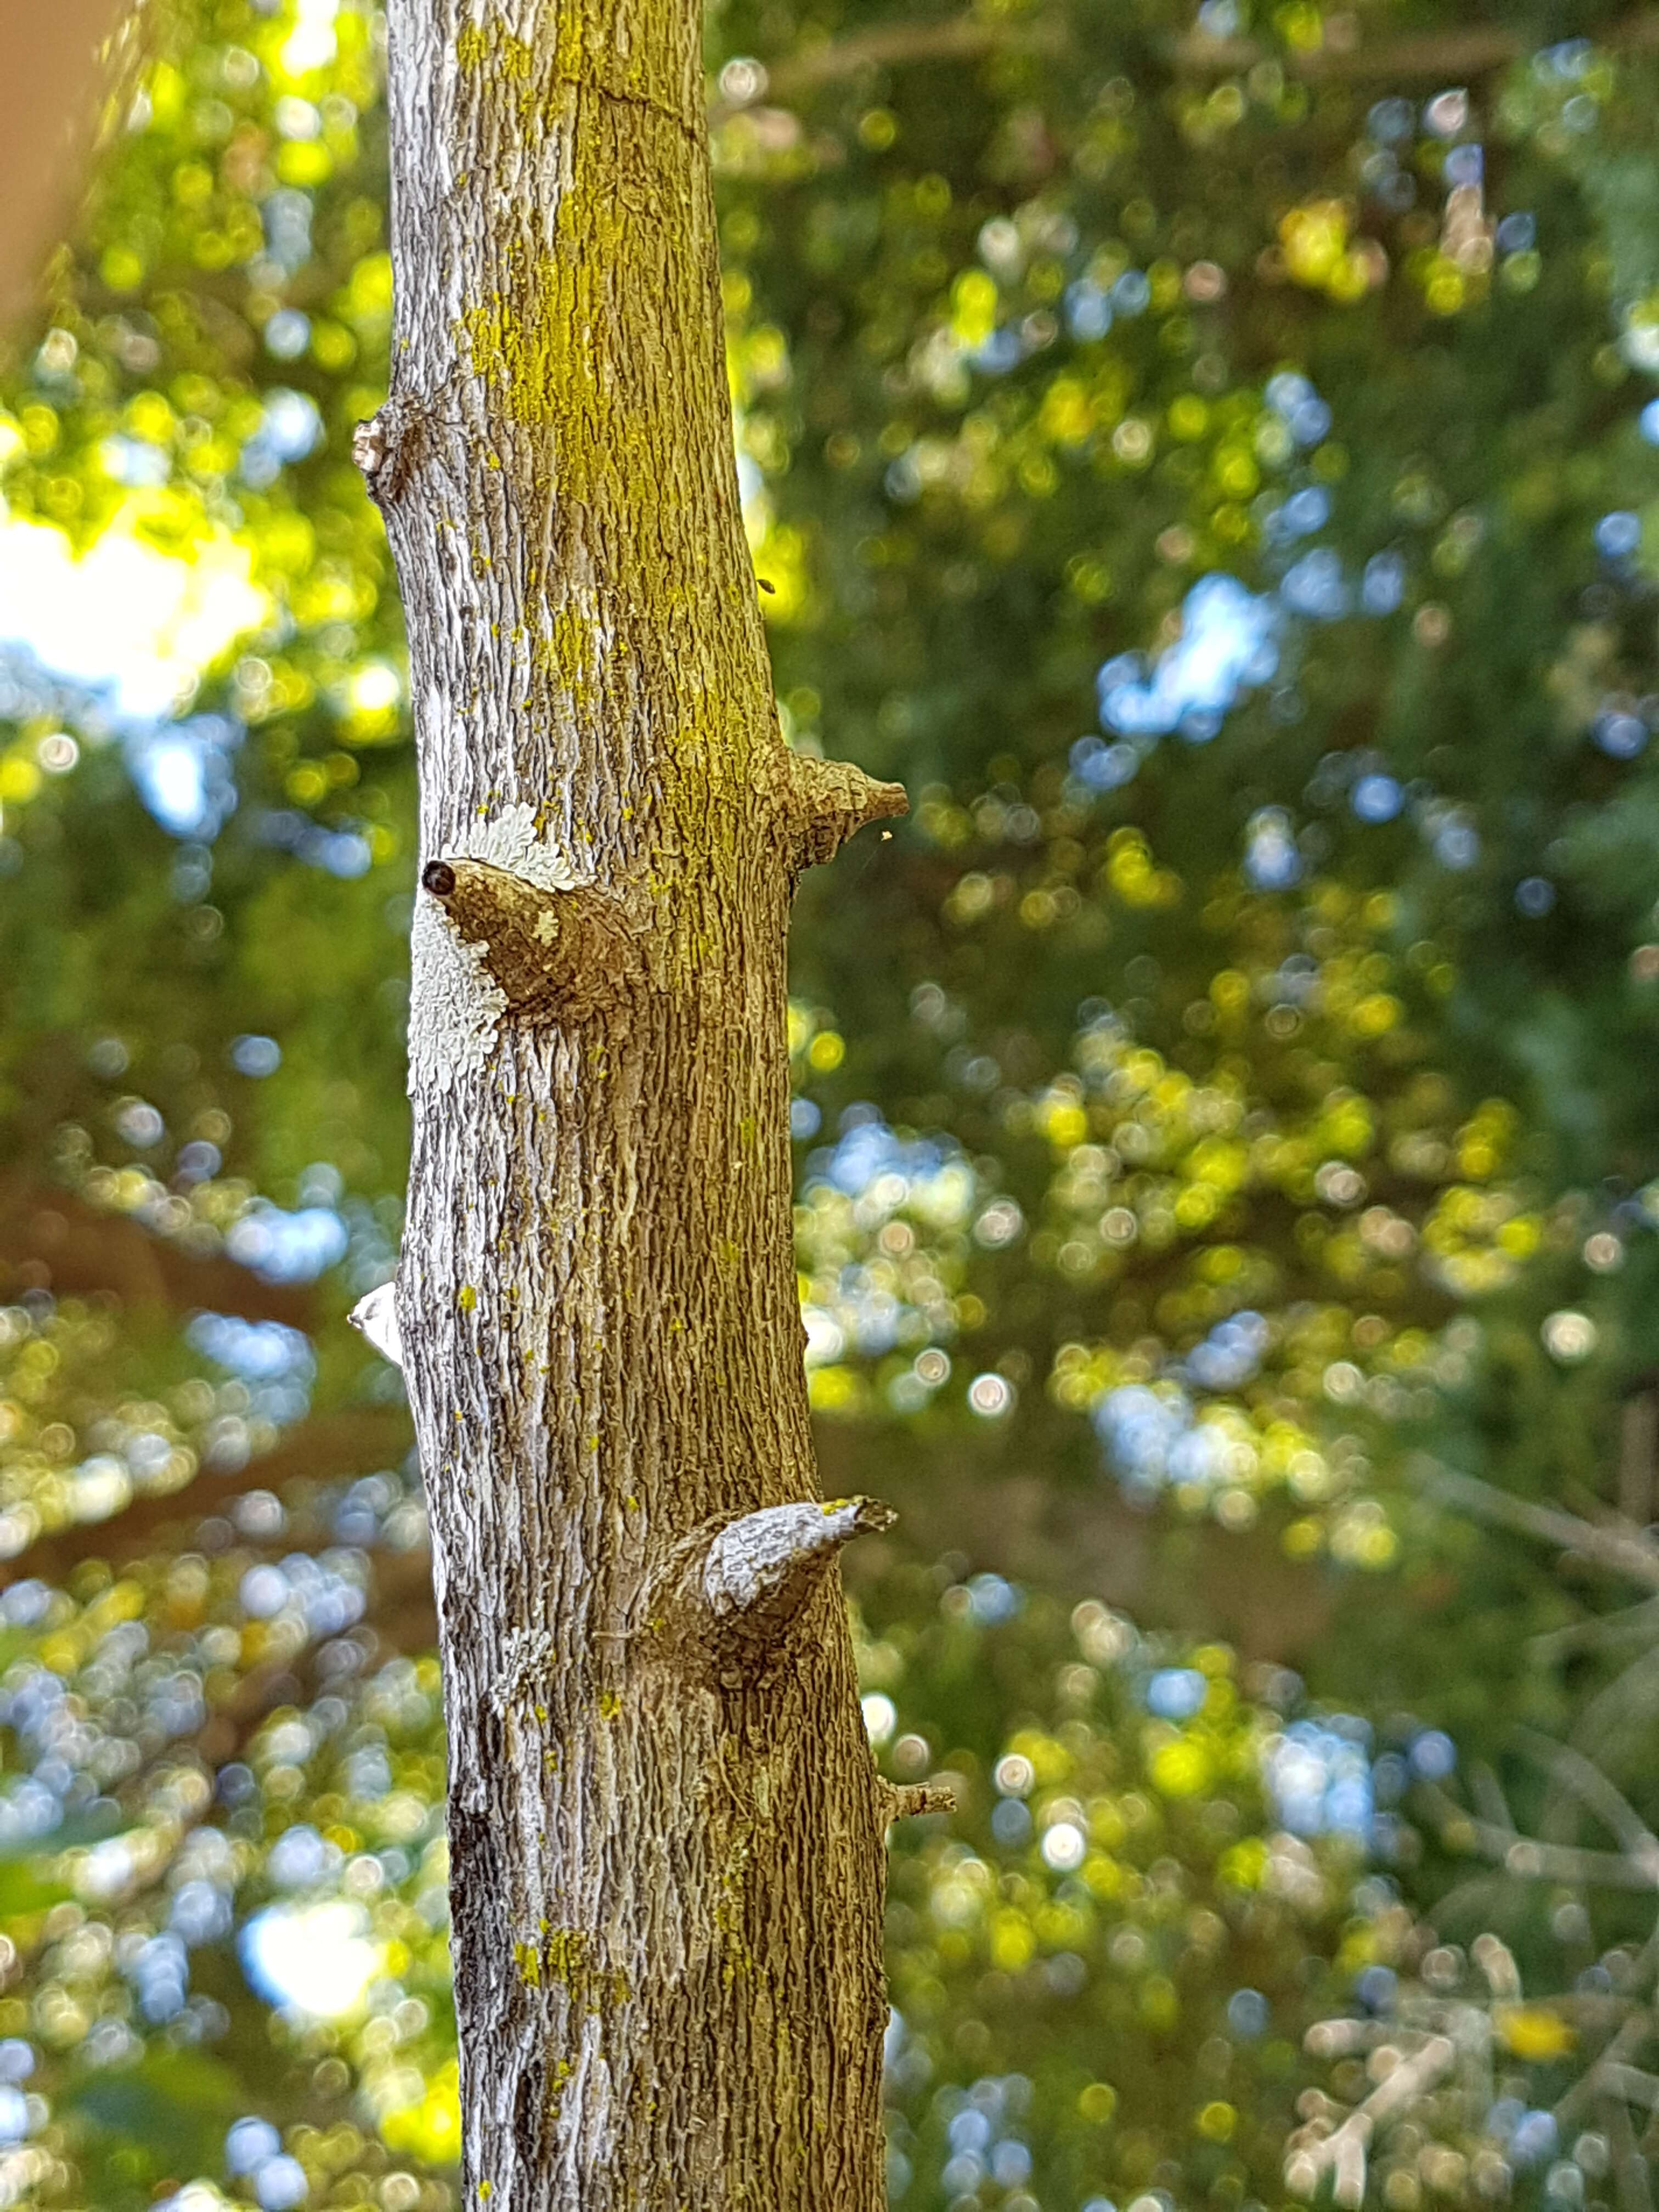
{"x":667,"y":1831}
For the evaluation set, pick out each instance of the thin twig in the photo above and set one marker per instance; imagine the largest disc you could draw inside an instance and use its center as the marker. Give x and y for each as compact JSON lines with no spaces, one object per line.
{"x":1629,"y":2168}
{"x":1627,"y":1696}
{"x":1489,"y":1795}
{"x":1446,"y":57}
{"x":1601,"y":1628}
{"x":1532,"y":1861}
{"x":1594,"y":1789}
{"x":1629,"y":1554}
{"x":1480,"y":1899}
{"x":1626,"y":2040}
{"x":354,"y":1440}
{"x":1632,"y":2084}
{"x":1343,"y":2151}
{"x":954,"y":39}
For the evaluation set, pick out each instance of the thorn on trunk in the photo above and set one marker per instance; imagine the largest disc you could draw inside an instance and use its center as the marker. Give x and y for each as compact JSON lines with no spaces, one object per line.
{"x":826,"y":802}
{"x":376,"y":1315}
{"x":760,"y":1570}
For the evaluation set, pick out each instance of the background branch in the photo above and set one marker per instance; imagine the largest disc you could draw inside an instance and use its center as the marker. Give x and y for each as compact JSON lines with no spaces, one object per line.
{"x":1446,"y":57}
{"x":83,"y":1251}
{"x":1625,"y":1551}
{"x":334,"y":1446}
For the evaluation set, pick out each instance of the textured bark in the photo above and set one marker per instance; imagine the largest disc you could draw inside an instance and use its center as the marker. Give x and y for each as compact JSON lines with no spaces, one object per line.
{"x":666,"y":1828}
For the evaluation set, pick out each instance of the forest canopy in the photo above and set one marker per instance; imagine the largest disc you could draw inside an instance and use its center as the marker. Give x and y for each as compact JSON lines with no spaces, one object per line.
{"x":1212,"y":459}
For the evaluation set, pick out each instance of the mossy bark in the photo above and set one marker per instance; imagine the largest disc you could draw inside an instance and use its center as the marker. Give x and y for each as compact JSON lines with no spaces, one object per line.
{"x":666,"y":1833}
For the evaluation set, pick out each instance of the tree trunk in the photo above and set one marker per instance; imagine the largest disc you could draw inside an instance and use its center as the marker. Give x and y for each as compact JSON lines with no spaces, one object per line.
{"x":666,"y":1833}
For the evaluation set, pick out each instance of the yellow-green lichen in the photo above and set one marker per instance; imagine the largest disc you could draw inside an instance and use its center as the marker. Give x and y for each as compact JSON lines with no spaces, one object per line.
{"x":650,"y":76}
{"x":539,"y":340}
{"x":568,"y":1958}
{"x":576,"y":336}
{"x":568,"y":654}
{"x":496,"y":60}
{"x":557,"y":2077}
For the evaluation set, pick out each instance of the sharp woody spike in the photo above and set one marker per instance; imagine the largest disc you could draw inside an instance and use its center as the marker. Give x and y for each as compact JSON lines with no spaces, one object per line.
{"x":761,"y":1568}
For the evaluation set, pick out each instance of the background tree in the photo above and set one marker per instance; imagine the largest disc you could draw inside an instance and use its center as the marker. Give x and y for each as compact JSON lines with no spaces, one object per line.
{"x":54,"y":70}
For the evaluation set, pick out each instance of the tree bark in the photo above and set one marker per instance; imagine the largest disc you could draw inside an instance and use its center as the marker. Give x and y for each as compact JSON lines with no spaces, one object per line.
{"x":667,"y":1831}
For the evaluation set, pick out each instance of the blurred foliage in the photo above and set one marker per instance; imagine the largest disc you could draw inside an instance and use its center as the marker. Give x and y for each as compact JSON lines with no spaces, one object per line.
{"x":1210,"y":456}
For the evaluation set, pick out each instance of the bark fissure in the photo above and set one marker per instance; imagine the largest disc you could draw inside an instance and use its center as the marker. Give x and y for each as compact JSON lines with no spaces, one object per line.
{"x":667,"y":1831}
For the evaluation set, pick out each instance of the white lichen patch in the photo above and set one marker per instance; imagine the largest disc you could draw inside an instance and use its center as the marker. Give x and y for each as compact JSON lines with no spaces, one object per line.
{"x":455,"y":1004}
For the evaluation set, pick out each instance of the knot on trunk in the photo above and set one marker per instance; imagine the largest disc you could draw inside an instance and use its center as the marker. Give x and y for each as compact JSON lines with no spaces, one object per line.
{"x":562,"y":955}
{"x":824,"y":803}
{"x":749,"y":1584}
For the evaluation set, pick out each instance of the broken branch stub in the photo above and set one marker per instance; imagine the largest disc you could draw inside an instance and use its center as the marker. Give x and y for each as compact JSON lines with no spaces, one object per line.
{"x":909,"y":1800}
{"x":827,"y":802}
{"x":376,"y":1316}
{"x":559,"y":955}
{"x":760,"y":1570}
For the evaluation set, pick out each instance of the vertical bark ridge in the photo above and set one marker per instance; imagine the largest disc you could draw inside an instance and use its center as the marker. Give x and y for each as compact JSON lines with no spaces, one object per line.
{"x":666,"y":1854}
